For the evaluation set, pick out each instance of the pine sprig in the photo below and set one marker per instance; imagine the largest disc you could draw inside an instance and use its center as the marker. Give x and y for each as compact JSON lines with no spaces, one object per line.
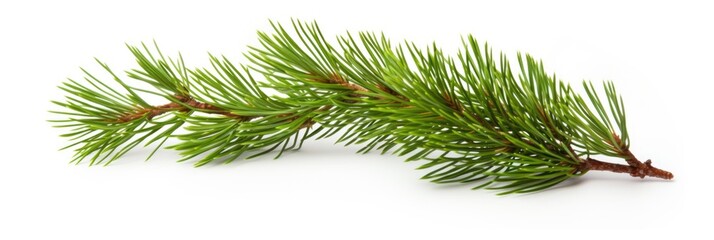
{"x":470,"y":118}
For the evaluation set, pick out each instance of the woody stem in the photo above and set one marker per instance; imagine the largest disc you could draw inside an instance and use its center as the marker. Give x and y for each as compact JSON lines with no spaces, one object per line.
{"x":642,"y":170}
{"x":187,"y":103}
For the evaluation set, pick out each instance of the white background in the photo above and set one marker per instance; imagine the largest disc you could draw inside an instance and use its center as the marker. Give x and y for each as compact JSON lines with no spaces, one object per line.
{"x":658,"y":54}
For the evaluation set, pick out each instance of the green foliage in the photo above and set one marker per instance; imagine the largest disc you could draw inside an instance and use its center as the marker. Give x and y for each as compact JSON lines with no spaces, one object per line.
{"x":470,"y":118}
{"x":93,"y":111}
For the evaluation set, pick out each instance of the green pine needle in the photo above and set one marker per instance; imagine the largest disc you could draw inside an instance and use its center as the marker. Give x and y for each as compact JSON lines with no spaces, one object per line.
{"x":469,"y":118}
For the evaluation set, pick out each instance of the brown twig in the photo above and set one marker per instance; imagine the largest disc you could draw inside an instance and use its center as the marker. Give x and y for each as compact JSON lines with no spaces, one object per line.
{"x":185,"y":104}
{"x":646,"y":169}
{"x":636,"y":168}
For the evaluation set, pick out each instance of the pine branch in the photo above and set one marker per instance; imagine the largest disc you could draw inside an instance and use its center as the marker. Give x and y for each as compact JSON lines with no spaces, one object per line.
{"x":469,"y":117}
